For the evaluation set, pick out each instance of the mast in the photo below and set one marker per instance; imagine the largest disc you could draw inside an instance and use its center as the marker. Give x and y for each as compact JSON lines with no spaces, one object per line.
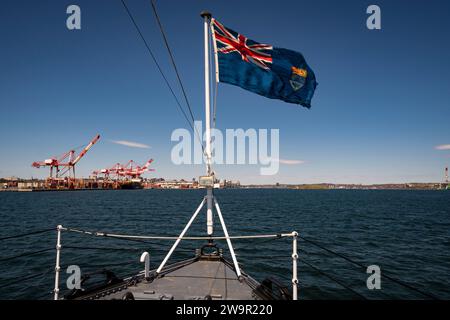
{"x":208,"y":180}
{"x":209,"y":197}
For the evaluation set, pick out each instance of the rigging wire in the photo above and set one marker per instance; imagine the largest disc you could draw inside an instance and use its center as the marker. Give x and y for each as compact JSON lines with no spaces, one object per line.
{"x":134,"y":237}
{"x":401,"y":283}
{"x":379,"y":291}
{"x":211,"y":87}
{"x":332,"y":278}
{"x":122,"y":249}
{"x":157,"y":64}
{"x":106,"y":235}
{"x":215,"y":87}
{"x":261,"y":242}
{"x":312,"y":267}
{"x":26,"y":254}
{"x":172,"y":59}
{"x":27,"y":234}
{"x":270,"y":238}
{"x":15,"y":280}
{"x":105,"y":265}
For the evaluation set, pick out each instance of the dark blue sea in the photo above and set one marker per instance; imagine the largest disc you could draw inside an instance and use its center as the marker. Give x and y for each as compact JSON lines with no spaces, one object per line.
{"x":405,"y":233}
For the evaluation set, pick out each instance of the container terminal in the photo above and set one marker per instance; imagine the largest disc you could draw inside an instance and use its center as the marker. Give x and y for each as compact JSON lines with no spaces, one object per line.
{"x":129,"y":176}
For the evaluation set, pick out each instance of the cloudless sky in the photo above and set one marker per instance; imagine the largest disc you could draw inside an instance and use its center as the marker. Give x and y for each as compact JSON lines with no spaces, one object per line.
{"x":381,"y":107}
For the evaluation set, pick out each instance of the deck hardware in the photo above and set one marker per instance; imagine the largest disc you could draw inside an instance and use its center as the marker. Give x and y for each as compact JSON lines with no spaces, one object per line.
{"x":145,"y":258}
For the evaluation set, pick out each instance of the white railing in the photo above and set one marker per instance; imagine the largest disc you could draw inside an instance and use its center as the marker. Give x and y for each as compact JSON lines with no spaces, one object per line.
{"x":144,"y":257}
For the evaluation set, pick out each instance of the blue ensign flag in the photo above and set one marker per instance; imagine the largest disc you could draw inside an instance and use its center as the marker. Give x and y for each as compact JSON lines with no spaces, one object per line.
{"x":272,"y":72}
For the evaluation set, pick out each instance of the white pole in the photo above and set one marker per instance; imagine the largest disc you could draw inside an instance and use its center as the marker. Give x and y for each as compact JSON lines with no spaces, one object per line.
{"x":294,"y":265}
{"x":230,"y":246}
{"x":181,"y":236}
{"x":57,"y":266}
{"x":207,"y":17}
{"x":209,"y":216}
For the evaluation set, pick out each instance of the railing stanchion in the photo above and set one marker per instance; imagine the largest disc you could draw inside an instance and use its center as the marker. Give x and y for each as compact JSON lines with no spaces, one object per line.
{"x":294,"y":265}
{"x":57,"y":266}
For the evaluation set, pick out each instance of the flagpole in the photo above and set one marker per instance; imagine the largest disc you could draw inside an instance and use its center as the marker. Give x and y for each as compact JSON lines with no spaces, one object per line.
{"x":210,"y":174}
{"x":209,"y":216}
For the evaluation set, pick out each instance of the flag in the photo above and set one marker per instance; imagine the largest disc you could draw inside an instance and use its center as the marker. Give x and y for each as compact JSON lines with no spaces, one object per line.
{"x":272,"y":72}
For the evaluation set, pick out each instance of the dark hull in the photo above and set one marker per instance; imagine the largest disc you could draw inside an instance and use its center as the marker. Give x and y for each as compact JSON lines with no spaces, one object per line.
{"x":131,"y":186}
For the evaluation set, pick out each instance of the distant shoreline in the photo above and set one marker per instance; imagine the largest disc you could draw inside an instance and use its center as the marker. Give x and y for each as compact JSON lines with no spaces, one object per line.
{"x":443,"y":187}
{"x":28,"y":184}
{"x":332,"y":186}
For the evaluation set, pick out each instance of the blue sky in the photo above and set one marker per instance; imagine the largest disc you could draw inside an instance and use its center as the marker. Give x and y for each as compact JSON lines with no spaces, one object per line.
{"x":380,"y":110}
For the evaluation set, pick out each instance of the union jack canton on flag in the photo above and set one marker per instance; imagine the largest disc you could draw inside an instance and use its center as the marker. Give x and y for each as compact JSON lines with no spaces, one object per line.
{"x":272,"y":72}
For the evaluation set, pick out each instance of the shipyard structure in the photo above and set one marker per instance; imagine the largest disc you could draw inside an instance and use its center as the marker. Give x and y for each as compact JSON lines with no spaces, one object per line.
{"x":129,"y":175}
{"x":62,"y":175}
{"x":100,"y":183}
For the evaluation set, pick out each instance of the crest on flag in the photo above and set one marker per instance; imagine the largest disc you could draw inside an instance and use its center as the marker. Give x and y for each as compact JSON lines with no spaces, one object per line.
{"x":298,"y":78}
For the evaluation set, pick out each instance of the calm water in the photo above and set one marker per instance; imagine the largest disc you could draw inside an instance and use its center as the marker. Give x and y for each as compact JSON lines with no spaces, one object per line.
{"x":406,"y":233}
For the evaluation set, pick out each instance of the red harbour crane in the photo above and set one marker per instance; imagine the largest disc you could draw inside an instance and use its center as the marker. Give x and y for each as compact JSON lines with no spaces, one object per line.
{"x":129,"y":170}
{"x":134,"y":171}
{"x":65,"y":163}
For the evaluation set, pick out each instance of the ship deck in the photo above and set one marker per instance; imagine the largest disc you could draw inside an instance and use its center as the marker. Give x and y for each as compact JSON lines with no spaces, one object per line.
{"x":201,"y":278}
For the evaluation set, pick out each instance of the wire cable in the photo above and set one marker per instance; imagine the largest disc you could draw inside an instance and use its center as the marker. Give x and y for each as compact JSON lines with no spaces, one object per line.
{"x":401,"y":283}
{"x":157,"y":64}
{"x":332,"y":278}
{"x":123,"y":249}
{"x":26,"y":254}
{"x":172,"y":59}
{"x":15,"y":280}
{"x":216,"y":83}
{"x":138,"y":237}
{"x":27,"y":234}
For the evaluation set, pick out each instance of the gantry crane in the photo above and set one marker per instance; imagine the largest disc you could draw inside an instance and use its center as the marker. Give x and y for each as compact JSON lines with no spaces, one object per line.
{"x":124,"y":171}
{"x":65,"y":163}
{"x":134,"y":171}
